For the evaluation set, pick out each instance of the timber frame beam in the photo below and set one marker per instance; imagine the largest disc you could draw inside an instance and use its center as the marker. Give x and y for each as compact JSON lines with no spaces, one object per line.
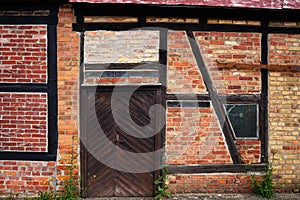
{"x":141,"y":12}
{"x":232,"y":168}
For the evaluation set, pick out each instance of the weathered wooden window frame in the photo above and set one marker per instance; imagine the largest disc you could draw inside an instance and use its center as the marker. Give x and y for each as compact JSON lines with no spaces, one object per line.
{"x":256,"y":122}
{"x":50,"y":87}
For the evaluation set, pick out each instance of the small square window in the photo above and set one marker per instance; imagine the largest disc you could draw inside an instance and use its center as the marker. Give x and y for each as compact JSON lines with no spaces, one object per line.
{"x":243,"y":119}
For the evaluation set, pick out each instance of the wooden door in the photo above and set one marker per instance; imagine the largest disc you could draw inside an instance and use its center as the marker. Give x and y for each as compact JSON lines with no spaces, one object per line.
{"x":100,"y":179}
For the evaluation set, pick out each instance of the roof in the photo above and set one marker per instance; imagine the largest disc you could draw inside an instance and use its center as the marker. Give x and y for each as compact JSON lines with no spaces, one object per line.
{"x":266,"y":4}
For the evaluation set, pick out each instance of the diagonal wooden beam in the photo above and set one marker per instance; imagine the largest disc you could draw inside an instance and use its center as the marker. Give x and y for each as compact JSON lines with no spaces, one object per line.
{"x":220,"y":111}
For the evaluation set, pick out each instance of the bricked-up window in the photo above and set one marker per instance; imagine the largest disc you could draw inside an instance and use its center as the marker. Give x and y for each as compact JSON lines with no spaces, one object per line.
{"x":23,"y":53}
{"x":113,"y":58}
{"x":28,"y":82}
{"x":23,"y":122}
{"x":243,"y":119}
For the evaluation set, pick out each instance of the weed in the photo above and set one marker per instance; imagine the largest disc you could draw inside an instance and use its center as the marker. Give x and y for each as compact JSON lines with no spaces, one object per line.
{"x":162,"y":188}
{"x":71,"y":186}
{"x":43,"y":196}
{"x":264,"y":187}
{"x":11,"y":197}
{"x":46,"y":196}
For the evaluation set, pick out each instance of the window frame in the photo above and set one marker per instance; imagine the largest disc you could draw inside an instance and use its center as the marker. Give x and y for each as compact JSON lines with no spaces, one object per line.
{"x":257,"y":121}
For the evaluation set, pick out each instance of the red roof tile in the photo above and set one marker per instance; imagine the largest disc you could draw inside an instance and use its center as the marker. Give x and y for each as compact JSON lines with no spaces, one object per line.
{"x":271,"y":4}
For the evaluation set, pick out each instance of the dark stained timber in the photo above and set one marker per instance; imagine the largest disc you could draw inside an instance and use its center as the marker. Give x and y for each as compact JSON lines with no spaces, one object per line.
{"x":163,"y":55}
{"x":191,"y":104}
{"x":163,"y":61}
{"x":192,"y":27}
{"x":231,"y":168}
{"x":263,"y":114}
{"x":52,"y":89}
{"x":97,"y":113}
{"x":239,"y":98}
{"x":33,"y":156}
{"x":202,"y":13}
{"x":263,"y":117}
{"x":81,"y":58}
{"x":24,"y":87}
{"x":188,"y":97}
{"x":277,"y":67}
{"x":24,"y":20}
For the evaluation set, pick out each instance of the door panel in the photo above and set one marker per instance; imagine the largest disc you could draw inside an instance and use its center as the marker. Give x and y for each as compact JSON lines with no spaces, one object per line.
{"x":133,"y":184}
{"x":101,"y":180}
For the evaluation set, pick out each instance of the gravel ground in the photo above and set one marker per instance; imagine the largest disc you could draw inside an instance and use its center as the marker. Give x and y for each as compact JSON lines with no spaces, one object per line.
{"x":234,"y":196}
{"x":292,"y":196}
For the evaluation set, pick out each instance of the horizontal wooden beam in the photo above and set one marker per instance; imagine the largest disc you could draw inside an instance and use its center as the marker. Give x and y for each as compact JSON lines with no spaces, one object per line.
{"x":183,"y":11}
{"x":204,"y":97}
{"x":224,"y":98}
{"x":23,"y":87}
{"x":284,"y":68}
{"x":232,"y":168}
{"x":157,"y":26}
{"x":33,"y":156}
{"x":239,"y":98}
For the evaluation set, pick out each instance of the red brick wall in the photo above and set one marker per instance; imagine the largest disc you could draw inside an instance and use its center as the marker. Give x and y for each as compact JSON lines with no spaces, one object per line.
{"x":23,"y":53}
{"x":249,"y":150}
{"x":216,"y":47}
{"x":23,"y":127}
{"x":212,"y":183}
{"x":193,"y":136}
{"x":284,"y":49}
{"x":185,"y":140}
{"x":26,"y":177}
{"x":231,"y":47}
{"x":183,"y":73}
{"x":29,"y":177}
{"x":23,"y":123}
{"x":68,"y":90}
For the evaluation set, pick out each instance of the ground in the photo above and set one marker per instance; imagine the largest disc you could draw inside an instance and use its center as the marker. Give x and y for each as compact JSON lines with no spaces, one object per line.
{"x":292,"y":196}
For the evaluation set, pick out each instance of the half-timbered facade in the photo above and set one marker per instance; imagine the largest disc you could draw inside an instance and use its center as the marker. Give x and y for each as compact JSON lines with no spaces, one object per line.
{"x":120,"y":89}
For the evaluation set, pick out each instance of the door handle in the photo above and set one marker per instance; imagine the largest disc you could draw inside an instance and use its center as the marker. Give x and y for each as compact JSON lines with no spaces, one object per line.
{"x":117,"y":139}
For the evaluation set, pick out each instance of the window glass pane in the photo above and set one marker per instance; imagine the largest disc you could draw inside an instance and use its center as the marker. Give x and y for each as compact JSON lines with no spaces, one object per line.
{"x":243,"y":119}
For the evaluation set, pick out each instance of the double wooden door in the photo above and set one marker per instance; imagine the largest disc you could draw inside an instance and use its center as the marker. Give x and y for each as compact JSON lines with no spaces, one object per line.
{"x":106,"y":170}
